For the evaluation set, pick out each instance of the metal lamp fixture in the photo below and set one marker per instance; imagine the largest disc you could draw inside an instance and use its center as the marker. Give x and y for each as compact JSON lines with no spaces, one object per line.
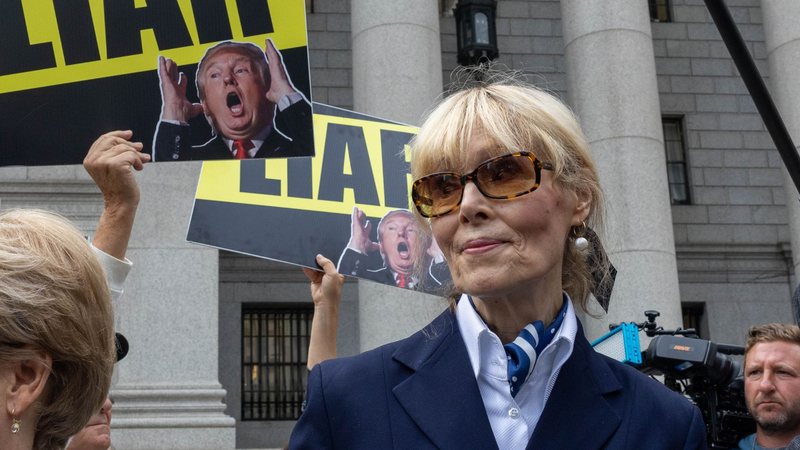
{"x":476,"y":31}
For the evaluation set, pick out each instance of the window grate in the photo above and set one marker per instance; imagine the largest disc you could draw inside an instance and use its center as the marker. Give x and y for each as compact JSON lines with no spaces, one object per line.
{"x":274,"y":356}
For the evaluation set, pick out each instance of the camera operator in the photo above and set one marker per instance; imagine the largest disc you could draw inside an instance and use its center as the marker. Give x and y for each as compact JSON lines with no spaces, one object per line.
{"x":772,"y":386}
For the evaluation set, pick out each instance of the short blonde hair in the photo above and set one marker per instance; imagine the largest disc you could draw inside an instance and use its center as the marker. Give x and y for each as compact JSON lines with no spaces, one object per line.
{"x":517,"y":117}
{"x":54,"y":299}
{"x":772,"y":332}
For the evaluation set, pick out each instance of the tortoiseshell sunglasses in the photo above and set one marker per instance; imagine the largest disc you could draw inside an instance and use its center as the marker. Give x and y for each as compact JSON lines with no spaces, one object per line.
{"x":502,"y":177}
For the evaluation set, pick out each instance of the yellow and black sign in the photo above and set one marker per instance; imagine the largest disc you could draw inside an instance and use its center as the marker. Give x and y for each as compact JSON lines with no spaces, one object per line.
{"x":292,"y":209}
{"x":72,"y":70}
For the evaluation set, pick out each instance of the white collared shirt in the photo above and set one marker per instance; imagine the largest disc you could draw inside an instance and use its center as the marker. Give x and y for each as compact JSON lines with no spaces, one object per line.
{"x":513,"y":419}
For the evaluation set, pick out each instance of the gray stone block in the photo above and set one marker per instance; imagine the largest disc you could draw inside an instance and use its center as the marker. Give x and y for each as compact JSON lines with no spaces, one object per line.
{"x":755,"y":234}
{"x":702,"y":121}
{"x":773,"y":157}
{"x":701,"y":157}
{"x":729,"y":214}
{"x":318,"y":58}
{"x":690,"y":214}
{"x":329,"y":40}
{"x":331,"y":6}
{"x":756,"y":17}
{"x":741,"y":122}
{"x":679,"y":233}
{"x":698,"y":14}
{"x":532,"y":27}
{"x":759,"y":140}
{"x":713,"y":233}
{"x":712,"y":67}
{"x":341,"y":97}
{"x":315,"y":22}
{"x":535,"y":64}
{"x":668,"y":30}
{"x":673,"y":66}
{"x":692,"y":85}
{"x":540,"y":10}
{"x":741,"y":15}
{"x":746,"y":104}
{"x":729,"y":85}
{"x":759,"y":51}
{"x":319,"y":94}
{"x":696,"y":177}
{"x":338,"y":22}
{"x":725,"y":177}
{"x":447,"y":25}
{"x":548,"y":45}
{"x":515,"y":44}
{"x":340,"y":59}
{"x":502,"y":26}
{"x":750,"y":195}
{"x":664,"y":84}
{"x":766,"y":177}
{"x":660,"y":49}
{"x":752,"y":33}
{"x":717,"y":103}
{"x":717,"y":49}
{"x":720,"y":139}
{"x":744,"y":158}
{"x":331,"y":78}
{"x":510,"y":8}
{"x":691,"y":49}
{"x":13,"y":173}
{"x":775,"y":215}
{"x":677,"y":103}
{"x":702,"y":32}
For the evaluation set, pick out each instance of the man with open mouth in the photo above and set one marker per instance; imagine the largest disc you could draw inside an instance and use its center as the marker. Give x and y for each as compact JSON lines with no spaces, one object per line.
{"x":248,"y":99}
{"x":402,"y":247}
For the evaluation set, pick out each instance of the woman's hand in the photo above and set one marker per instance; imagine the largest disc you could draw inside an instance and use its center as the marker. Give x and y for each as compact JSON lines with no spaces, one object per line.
{"x":326,"y":291}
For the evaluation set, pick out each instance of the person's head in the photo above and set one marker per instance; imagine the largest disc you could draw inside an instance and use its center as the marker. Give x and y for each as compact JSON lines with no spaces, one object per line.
{"x":56,"y":330}
{"x":96,"y":435}
{"x":401,"y":241}
{"x":522,"y":237}
{"x":232,"y":83}
{"x":772,"y":378}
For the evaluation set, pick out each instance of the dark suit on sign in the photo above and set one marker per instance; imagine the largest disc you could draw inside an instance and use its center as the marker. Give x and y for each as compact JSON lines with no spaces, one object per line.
{"x":354,"y":263}
{"x":173,"y":142}
{"x":421,"y":393}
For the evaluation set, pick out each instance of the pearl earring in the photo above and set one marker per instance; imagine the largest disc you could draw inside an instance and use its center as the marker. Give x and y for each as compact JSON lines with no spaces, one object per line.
{"x":15,"y":422}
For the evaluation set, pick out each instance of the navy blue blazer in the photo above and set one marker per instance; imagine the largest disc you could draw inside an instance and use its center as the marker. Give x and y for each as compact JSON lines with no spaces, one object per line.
{"x":421,"y":393}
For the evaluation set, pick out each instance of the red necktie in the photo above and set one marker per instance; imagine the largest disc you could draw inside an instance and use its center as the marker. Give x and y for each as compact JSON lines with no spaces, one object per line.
{"x":401,"y":280}
{"x":242,"y":146}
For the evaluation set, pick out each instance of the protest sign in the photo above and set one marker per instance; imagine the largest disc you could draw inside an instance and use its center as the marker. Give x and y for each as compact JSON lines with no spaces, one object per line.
{"x":354,"y":194}
{"x":70,"y":71}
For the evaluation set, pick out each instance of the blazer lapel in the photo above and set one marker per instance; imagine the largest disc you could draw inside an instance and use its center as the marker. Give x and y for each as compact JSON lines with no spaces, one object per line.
{"x":577,"y":414}
{"x":442,"y":396}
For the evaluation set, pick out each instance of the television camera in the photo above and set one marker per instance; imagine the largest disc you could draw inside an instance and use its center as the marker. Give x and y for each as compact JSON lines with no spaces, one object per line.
{"x":707,"y":373}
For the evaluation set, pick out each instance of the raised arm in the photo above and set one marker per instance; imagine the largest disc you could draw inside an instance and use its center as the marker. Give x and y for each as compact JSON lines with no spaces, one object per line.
{"x":326,"y":291}
{"x":110,"y":162}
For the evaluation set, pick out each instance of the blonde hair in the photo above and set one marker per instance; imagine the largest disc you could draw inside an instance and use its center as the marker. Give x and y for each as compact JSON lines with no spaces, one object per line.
{"x":772,"y":332}
{"x":54,"y":299}
{"x":516,"y":117}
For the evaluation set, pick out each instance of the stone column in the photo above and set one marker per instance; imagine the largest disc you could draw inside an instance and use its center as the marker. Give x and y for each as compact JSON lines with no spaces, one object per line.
{"x":397,"y":75}
{"x":611,"y":83}
{"x":167,"y":389}
{"x":782,"y":39}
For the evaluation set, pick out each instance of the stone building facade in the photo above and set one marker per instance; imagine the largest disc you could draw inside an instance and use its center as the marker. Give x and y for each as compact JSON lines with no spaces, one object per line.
{"x":717,"y":252}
